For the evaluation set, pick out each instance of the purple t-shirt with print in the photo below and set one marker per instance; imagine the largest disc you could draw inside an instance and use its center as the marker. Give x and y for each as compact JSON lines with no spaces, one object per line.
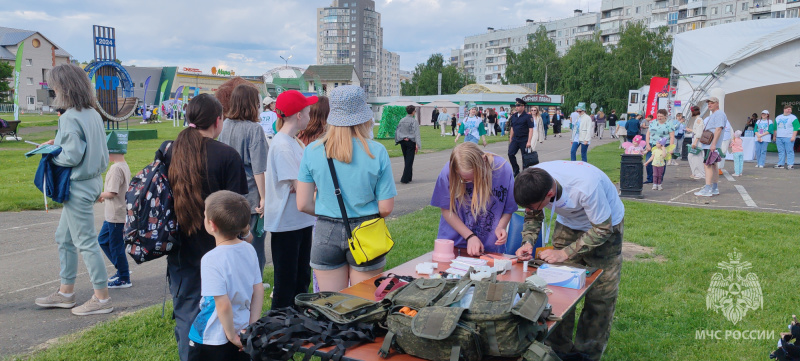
{"x":501,"y":202}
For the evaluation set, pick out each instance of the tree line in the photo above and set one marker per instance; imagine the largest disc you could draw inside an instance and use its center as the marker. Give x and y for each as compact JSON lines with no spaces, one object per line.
{"x":590,"y":72}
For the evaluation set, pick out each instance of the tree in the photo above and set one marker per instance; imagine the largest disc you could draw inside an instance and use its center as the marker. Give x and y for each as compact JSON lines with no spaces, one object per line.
{"x":640,"y":55}
{"x":6,"y":77}
{"x":537,"y":63}
{"x":583,"y":78}
{"x":425,"y":79}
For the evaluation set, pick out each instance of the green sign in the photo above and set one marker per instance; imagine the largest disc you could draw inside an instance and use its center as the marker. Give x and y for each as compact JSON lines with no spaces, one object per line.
{"x":783,"y":100}
{"x":223,"y":72}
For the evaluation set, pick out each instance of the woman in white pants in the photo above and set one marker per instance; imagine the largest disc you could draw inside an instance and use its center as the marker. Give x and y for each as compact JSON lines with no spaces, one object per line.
{"x":696,"y":130}
{"x":442,"y":120}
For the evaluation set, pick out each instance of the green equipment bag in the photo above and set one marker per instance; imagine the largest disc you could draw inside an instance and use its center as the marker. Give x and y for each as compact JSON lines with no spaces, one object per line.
{"x":341,"y":308}
{"x":435,"y":333}
{"x":508,"y":316}
{"x":540,"y":352}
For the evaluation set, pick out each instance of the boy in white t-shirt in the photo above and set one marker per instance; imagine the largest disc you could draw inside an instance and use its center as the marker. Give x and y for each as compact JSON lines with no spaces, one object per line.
{"x":231,"y":282}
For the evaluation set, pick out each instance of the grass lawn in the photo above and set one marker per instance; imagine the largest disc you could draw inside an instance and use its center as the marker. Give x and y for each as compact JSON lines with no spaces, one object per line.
{"x":18,"y":193}
{"x":661,"y":306}
{"x":33,"y":119}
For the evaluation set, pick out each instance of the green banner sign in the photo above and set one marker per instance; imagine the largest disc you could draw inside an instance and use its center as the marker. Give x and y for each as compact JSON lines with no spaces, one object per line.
{"x":783,"y":100}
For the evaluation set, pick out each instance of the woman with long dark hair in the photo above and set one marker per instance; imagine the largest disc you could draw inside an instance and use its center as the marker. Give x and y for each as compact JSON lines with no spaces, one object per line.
{"x":242,"y":131}
{"x":198,"y":166}
{"x":319,"y":120}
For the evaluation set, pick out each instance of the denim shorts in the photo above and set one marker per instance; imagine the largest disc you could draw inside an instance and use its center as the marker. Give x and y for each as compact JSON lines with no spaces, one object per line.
{"x":329,"y":249}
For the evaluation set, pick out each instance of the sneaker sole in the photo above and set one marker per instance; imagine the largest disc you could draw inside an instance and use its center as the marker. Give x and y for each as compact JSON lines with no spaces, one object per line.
{"x":127,"y":285}
{"x":95,"y":312}
{"x":56,"y":305}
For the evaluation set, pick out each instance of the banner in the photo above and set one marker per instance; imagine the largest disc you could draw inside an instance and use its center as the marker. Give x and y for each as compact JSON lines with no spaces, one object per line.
{"x":163,"y":90}
{"x":144,"y":98}
{"x":17,"y":71}
{"x":185,"y":93}
{"x":658,"y":85}
{"x":178,"y":93}
{"x":196,"y":91}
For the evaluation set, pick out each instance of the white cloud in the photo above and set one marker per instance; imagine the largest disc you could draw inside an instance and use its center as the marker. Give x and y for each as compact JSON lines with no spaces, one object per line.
{"x":249,"y":36}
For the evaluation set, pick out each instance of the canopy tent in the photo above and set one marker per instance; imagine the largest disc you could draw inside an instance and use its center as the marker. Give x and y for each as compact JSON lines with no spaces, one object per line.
{"x":747,"y":65}
{"x":425,"y":112}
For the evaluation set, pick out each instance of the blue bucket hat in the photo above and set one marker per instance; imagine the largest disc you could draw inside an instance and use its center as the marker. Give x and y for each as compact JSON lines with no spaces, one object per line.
{"x":348,"y":106}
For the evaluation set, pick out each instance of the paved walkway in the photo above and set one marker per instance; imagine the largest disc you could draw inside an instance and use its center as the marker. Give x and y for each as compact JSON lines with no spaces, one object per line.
{"x":29,"y":259}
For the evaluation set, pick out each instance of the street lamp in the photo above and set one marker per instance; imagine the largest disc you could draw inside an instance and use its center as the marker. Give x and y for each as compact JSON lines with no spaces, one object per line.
{"x":286,"y":59}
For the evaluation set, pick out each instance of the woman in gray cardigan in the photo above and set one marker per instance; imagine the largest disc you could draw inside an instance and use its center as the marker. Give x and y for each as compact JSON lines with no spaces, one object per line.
{"x":407,"y":135}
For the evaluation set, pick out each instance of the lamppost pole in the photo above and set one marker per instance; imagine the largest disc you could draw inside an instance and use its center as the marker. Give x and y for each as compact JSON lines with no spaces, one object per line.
{"x":286,"y":59}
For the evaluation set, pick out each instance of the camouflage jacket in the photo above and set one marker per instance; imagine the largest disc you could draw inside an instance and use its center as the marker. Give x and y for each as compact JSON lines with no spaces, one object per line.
{"x":589,"y":240}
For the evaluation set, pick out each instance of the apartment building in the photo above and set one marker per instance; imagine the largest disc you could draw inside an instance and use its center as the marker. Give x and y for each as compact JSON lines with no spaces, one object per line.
{"x":389,"y":74}
{"x":350,"y":32}
{"x":484,"y":55}
{"x":39,"y":56}
{"x":686,"y":15}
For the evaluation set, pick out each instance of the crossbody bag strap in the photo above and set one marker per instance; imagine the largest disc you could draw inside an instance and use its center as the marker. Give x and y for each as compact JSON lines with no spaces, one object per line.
{"x":338,"y":192}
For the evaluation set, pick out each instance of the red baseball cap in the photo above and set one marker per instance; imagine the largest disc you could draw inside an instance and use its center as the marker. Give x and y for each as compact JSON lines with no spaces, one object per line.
{"x":291,"y":102}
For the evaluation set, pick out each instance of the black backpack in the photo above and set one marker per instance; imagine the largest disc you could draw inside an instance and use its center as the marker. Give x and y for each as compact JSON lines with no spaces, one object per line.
{"x":151,"y":227}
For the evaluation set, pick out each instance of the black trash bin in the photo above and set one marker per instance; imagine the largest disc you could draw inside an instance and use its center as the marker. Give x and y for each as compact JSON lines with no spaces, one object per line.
{"x":630,"y":176}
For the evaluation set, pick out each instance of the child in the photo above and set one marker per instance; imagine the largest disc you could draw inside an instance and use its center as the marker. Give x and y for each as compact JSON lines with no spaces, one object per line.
{"x":738,"y":153}
{"x":230,"y":282}
{"x":658,"y":158}
{"x":110,"y":238}
{"x":291,"y":229}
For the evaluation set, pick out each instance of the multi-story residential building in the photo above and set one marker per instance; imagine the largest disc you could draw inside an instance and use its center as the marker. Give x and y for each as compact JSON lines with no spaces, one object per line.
{"x":349,"y":32}
{"x":39,"y":55}
{"x":484,"y":55}
{"x":389,"y":74}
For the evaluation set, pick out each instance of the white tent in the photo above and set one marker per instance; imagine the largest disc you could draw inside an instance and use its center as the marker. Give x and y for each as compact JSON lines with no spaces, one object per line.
{"x":426,"y":110}
{"x":746,"y":64}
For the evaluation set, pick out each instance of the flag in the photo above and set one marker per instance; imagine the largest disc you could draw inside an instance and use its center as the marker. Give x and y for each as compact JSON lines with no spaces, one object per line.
{"x":163,"y":90}
{"x":17,"y":71}
{"x":144,"y":98}
{"x":196,"y":91}
{"x":178,"y":92}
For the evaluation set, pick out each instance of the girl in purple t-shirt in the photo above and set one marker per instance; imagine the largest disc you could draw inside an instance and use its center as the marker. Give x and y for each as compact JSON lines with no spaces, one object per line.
{"x":475,"y":191}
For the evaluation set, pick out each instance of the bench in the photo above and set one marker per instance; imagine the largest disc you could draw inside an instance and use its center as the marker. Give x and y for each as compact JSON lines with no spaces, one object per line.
{"x":11,"y":129}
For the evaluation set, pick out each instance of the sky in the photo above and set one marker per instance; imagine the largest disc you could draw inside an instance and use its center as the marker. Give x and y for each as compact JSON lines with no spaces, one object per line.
{"x":249,"y":36}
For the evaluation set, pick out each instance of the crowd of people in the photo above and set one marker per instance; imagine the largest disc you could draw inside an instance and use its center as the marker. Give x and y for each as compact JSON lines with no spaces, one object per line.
{"x":306,"y":170}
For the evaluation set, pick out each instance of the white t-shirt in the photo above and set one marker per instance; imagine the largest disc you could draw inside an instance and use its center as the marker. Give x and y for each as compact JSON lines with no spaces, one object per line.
{"x":784,"y":125}
{"x":716,"y":120}
{"x":762,"y":127}
{"x":268,"y":118}
{"x":283,"y":166}
{"x":230,"y":270}
{"x":588,"y":195}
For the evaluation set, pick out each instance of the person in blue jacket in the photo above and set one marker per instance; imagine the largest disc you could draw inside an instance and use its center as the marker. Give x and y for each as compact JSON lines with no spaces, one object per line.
{"x":83,"y":149}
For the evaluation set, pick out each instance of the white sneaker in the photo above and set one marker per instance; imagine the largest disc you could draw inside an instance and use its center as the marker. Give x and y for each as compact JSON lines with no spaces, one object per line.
{"x":705,"y":192}
{"x":93,"y":307}
{"x":790,"y":167}
{"x":715,"y":192}
{"x":660,"y":187}
{"x":56,"y":300}
{"x":655,"y":186}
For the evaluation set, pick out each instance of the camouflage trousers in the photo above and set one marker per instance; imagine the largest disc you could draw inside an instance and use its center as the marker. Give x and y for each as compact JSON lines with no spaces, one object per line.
{"x":594,"y":323}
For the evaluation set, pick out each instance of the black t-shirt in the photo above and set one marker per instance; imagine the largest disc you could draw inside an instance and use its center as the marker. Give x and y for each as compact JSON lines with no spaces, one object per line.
{"x":224,"y":171}
{"x":491,"y":118}
{"x":612,"y":120}
{"x":521,"y":123}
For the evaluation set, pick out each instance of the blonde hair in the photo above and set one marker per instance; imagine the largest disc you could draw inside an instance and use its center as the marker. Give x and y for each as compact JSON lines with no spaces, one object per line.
{"x":339,"y":140}
{"x":72,"y":86}
{"x":468,"y":157}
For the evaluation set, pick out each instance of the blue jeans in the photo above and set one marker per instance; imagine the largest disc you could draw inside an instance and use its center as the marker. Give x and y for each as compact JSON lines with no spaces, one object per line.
{"x":111,"y":242}
{"x":785,"y":150}
{"x":584,"y":149}
{"x":761,"y":152}
{"x":738,"y":162}
{"x":503,"y":128}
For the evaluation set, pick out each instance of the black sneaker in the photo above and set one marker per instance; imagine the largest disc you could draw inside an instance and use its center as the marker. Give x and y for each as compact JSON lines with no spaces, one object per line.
{"x":777,"y":166}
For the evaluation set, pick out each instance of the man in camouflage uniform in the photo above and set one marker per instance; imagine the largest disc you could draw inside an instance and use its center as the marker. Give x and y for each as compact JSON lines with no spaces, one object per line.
{"x":588,"y":231}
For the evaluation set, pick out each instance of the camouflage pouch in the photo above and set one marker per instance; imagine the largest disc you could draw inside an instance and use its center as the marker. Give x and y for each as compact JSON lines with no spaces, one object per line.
{"x":341,"y":308}
{"x":434,"y":333}
{"x":540,"y":352}
{"x":510,"y":315}
{"x":424,"y":292}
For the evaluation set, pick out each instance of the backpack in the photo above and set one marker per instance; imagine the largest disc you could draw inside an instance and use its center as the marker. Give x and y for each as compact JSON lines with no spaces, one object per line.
{"x":341,"y":308}
{"x":151,"y":227}
{"x":502,"y":319}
